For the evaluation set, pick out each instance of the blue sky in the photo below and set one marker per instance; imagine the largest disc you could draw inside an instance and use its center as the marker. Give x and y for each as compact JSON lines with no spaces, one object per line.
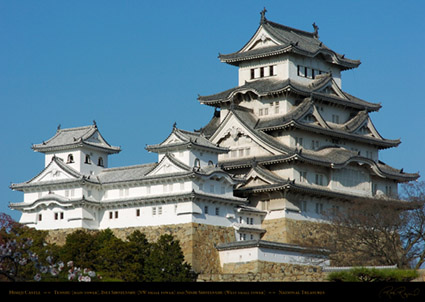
{"x":136,"y":67}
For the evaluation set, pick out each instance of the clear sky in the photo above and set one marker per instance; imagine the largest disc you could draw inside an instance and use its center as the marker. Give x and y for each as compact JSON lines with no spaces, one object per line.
{"x":136,"y":67}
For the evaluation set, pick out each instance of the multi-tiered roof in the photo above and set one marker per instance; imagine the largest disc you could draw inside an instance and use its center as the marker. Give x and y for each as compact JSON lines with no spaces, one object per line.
{"x":305,"y":114}
{"x":290,"y":40}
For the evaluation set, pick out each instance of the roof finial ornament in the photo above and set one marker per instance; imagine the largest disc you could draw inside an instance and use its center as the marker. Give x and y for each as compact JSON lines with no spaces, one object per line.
{"x":316,"y":30}
{"x":94,"y":124}
{"x":59,"y":127}
{"x":175,"y":125}
{"x":263,"y":16}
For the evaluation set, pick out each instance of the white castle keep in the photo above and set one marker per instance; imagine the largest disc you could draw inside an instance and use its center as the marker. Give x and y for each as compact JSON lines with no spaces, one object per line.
{"x":285,"y":145}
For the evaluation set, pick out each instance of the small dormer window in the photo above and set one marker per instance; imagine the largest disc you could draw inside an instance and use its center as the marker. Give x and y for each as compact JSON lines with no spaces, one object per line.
{"x":70,"y":159}
{"x":210,"y":163}
{"x":87,"y":160}
{"x":307,"y":72}
{"x":197,"y":163}
{"x":100,"y":162}
{"x":261,"y":72}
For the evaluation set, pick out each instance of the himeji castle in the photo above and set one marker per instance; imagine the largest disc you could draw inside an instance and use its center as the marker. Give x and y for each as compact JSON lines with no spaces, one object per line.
{"x":284,"y":146}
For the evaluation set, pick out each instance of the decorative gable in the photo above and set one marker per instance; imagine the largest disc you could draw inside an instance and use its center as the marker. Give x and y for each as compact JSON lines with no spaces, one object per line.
{"x":259,"y":177}
{"x":172,"y":139}
{"x":261,"y":38}
{"x":368,"y":129}
{"x":255,"y":182}
{"x":169,"y":165}
{"x":232,"y":132}
{"x":55,"y":171}
{"x":331,"y":88}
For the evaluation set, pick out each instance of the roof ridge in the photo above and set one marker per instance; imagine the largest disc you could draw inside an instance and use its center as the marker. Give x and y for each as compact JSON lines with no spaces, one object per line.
{"x":76,"y":128}
{"x":127,"y":167}
{"x":187,"y":131}
{"x":288,"y":28}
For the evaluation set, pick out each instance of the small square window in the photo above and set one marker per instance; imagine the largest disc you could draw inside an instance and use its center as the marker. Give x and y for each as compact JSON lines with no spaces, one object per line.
{"x":217,"y":211}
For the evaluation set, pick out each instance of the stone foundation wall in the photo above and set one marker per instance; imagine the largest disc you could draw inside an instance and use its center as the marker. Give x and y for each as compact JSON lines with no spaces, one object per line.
{"x":292,"y":231}
{"x":197,"y":241}
{"x":59,"y":236}
{"x":266,"y":271}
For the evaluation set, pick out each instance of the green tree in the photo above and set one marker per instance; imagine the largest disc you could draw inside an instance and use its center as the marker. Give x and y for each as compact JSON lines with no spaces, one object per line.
{"x":166,"y":262}
{"x":139,"y":248}
{"x":80,"y":247}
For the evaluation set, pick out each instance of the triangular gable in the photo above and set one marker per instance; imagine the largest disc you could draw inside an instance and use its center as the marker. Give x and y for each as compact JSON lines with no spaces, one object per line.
{"x":172,"y":139}
{"x":367,"y":128}
{"x":262,"y":38}
{"x":257,"y":176}
{"x":332,"y":88}
{"x":54,"y":171}
{"x":169,"y":165}
{"x":232,"y":128}
{"x":97,"y":138}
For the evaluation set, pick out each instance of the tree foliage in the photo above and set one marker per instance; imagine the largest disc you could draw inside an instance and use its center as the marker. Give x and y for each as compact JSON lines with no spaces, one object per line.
{"x":375,"y":232}
{"x":134,"y":259}
{"x":362,"y":274}
{"x":23,"y":251}
{"x":166,"y":262}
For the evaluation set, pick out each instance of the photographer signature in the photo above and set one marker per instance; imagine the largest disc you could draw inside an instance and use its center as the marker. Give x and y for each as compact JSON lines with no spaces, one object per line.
{"x":400,"y":291}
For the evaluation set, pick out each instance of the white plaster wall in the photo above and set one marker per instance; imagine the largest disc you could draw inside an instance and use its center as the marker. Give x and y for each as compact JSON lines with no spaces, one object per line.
{"x":79,"y":158}
{"x":71,"y":218}
{"x":73,"y":193}
{"x":303,"y":209}
{"x":269,"y":255}
{"x":154,"y":214}
{"x":313,"y":63}
{"x":280,"y":69}
{"x":203,"y":156}
{"x":327,"y":113}
{"x":92,"y":168}
{"x":268,"y":106}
